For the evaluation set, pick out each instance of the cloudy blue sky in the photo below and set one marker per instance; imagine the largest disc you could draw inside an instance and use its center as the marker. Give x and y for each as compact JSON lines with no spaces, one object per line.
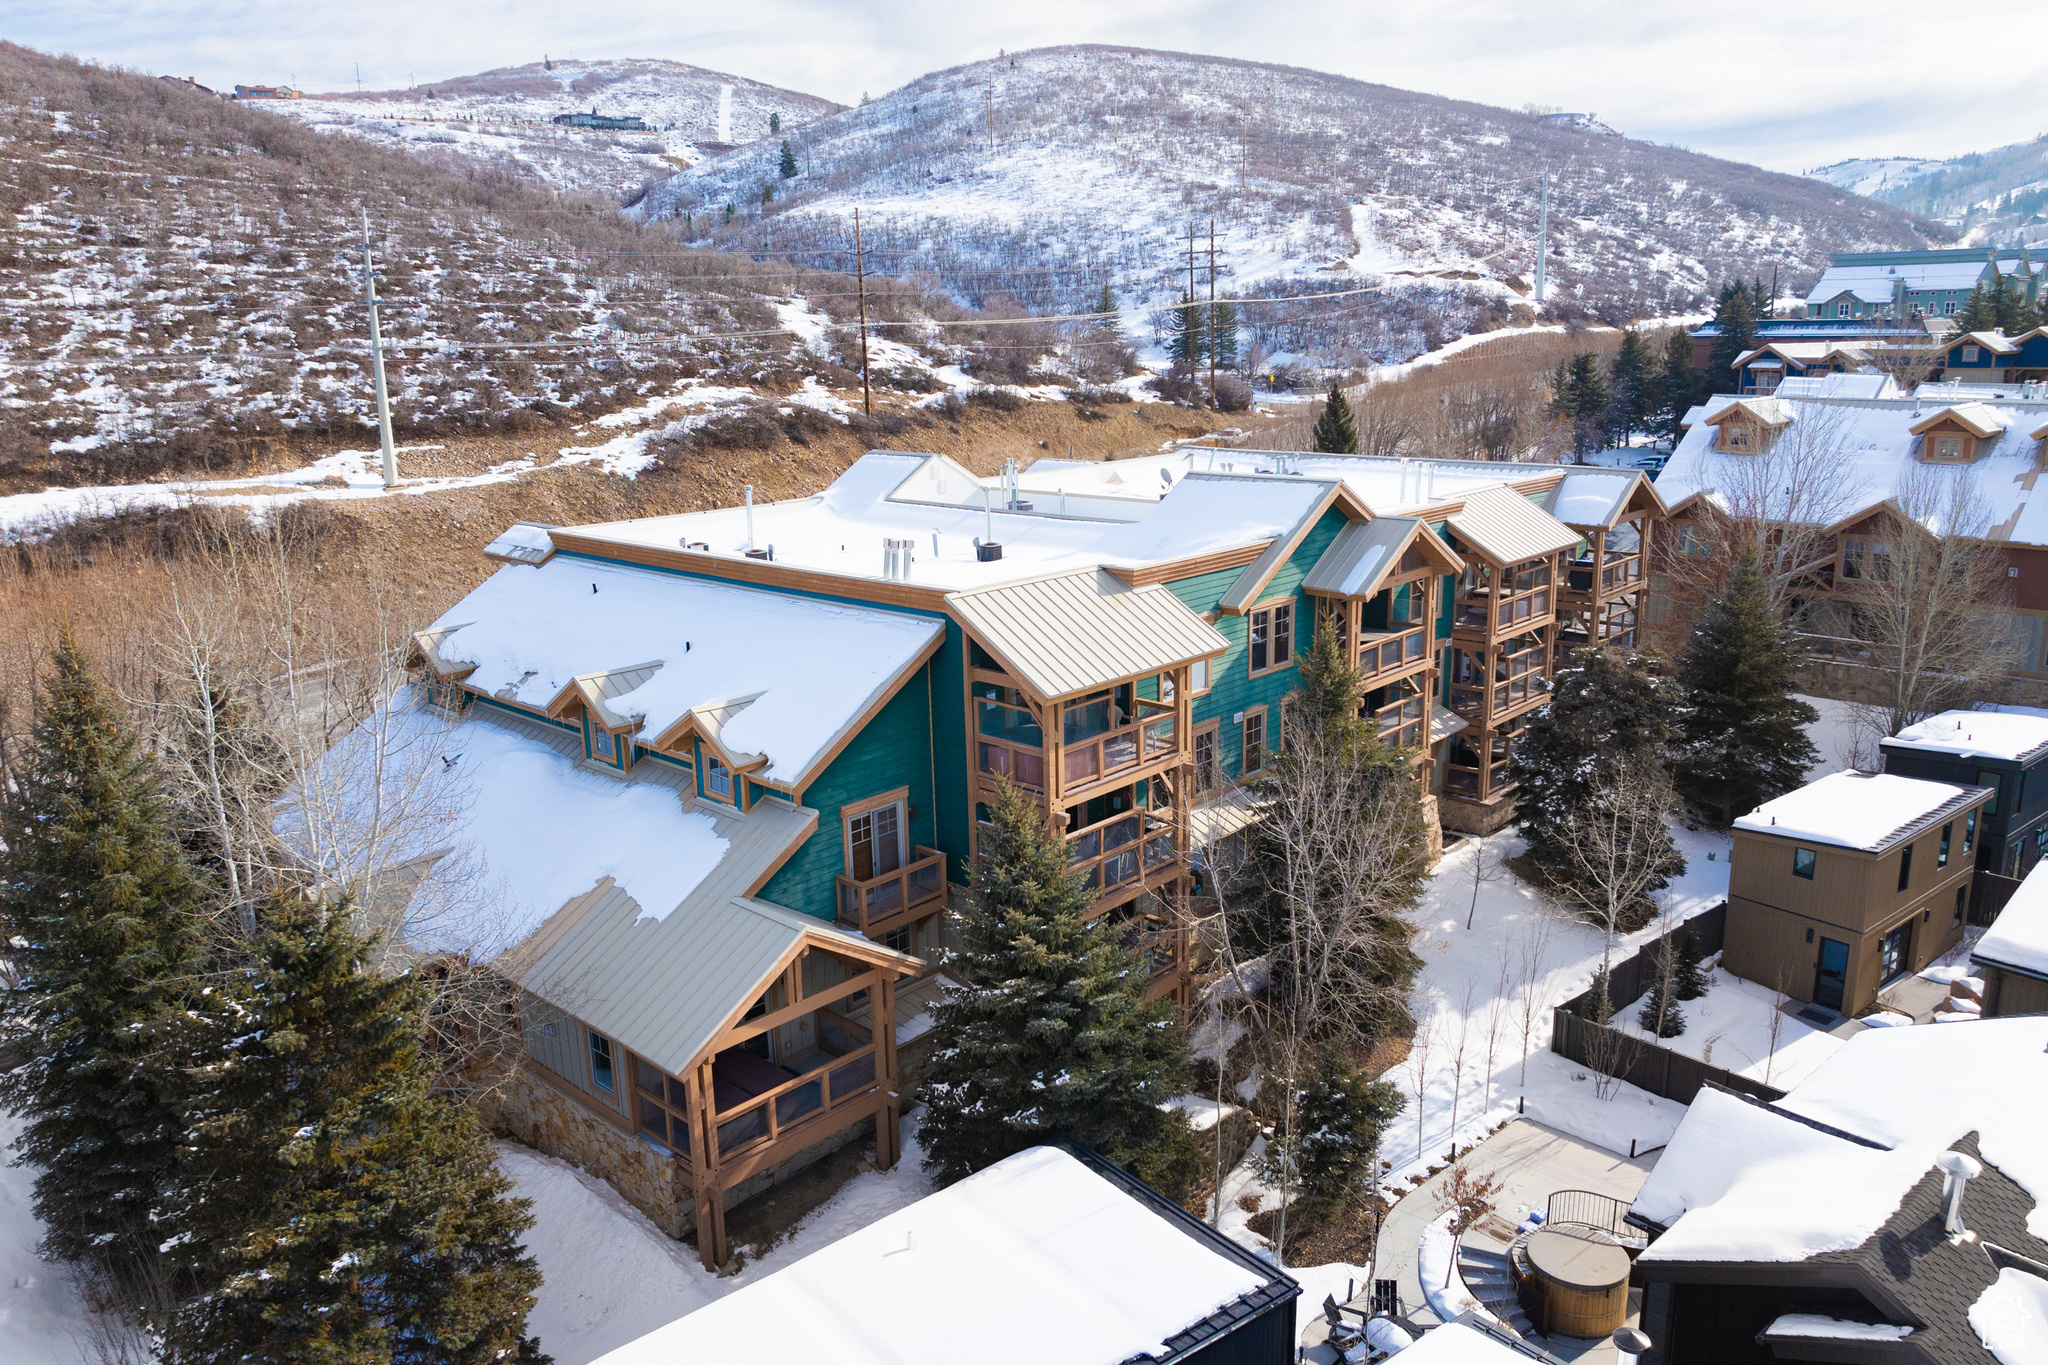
{"x":1780,"y":85}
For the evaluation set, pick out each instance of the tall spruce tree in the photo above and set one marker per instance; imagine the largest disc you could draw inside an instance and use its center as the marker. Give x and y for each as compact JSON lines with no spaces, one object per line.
{"x":1632,"y":387}
{"x":105,"y":920}
{"x":1223,"y":334}
{"x":1744,"y":737}
{"x":331,"y":1207}
{"x":1049,"y":1033}
{"x":1736,"y":318}
{"x":1108,"y":324}
{"x":1583,"y":400}
{"x":786,"y":165}
{"x":1676,"y":386}
{"x":1336,"y":431}
{"x":1607,"y":710}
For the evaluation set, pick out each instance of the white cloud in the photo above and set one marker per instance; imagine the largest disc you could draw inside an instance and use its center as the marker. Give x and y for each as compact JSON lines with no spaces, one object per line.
{"x":1778,"y":90}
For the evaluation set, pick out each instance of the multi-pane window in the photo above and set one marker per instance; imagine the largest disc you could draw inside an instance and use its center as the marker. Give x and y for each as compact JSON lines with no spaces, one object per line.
{"x":603,"y":743}
{"x":1254,"y":760}
{"x":1205,"y":760}
{"x":717,"y":778}
{"x":601,"y":1062}
{"x":664,"y":1112}
{"x":1272,"y":637}
{"x":875,"y":841}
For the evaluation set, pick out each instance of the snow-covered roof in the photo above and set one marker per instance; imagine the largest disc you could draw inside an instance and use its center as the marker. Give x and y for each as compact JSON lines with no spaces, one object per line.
{"x":1875,"y":283}
{"x":622,"y":899}
{"x":1718,"y":1141}
{"x":1819,"y":1326}
{"x":1364,"y":553}
{"x":2017,"y":734}
{"x":523,"y":542}
{"x":1995,"y":342}
{"x":1073,"y":632}
{"x":2011,"y":1317}
{"x":1035,"y":1259}
{"x":1507,"y":528}
{"x":1596,"y":497}
{"x":1771,"y":412}
{"x":1456,"y":1343}
{"x":811,"y":668}
{"x":2018,"y":938}
{"x":1757,"y":1189}
{"x":1837,"y":386}
{"x":1866,"y":811}
{"x":1872,"y":457}
{"x":1979,"y":419}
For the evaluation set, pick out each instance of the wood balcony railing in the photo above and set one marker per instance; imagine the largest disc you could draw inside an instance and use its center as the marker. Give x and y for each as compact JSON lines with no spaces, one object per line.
{"x":1103,"y":756}
{"x":1385,"y":651}
{"x":1160,"y":946}
{"x":1120,"y":851}
{"x":1025,"y":767}
{"x":824,"y":1088}
{"x":1620,"y":573}
{"x":879,"y":904}
{"x":1401,"y":724}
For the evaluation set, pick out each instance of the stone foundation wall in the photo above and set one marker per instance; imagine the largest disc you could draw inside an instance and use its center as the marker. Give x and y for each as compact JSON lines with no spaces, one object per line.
{"x":534,"y":1111}
{"x":1477,"y":817}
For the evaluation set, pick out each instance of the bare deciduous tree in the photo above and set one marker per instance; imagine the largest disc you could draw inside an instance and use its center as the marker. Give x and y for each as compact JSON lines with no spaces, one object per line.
{"x":1532,"y":951}
{"x":1617,"y":847}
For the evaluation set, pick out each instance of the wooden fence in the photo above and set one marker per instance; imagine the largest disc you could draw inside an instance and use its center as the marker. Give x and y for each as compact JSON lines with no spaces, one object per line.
{"x":1638,"y":1061}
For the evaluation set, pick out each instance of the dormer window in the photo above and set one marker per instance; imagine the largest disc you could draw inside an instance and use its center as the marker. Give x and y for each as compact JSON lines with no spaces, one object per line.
{"x":1739,"y":437}
{"x":604,"y":744}
{"x":717,"y":778}
{"x":1948,"y":447}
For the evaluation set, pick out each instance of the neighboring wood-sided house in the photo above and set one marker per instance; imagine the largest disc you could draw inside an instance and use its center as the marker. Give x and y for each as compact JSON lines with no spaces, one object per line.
{"x":1888,"y":1209}
{"x":1849,"y":884}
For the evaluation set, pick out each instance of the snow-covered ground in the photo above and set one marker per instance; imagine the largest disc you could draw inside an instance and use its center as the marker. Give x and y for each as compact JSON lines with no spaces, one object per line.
{"x":42,"y":1317}
{"x":1730,"y":1027}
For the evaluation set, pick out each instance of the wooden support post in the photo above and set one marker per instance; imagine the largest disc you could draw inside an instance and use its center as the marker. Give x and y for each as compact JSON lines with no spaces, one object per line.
{"x":711,"y":1243}
{"x":888,"y":1120}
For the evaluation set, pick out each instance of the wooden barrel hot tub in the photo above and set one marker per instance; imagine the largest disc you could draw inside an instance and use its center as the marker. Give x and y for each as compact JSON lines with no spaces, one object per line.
{"x":1581,"y":1274}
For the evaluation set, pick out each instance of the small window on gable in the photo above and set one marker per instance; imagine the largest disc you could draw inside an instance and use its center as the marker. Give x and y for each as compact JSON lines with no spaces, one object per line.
{"x":603,"y":743}
{"x":717,"y":778}
{"x":1738,"y":436}
{"x":1970,"y":354}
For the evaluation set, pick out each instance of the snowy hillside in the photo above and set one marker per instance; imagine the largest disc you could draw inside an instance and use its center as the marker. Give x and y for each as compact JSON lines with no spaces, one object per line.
{"x":1044,"y":175}
{"x":505,"y":114}
{"x":1994,"y":198}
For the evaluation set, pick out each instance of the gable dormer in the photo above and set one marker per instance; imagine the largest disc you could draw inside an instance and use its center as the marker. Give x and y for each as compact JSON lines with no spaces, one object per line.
{"x":1957,"y":434}
{"x":1749,"y":426}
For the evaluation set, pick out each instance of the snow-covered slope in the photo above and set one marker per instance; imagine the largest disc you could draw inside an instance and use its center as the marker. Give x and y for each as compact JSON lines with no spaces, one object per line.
{"x":1994,"y":198}
{"x":1047,"y":174}
{"x":506,"y":113}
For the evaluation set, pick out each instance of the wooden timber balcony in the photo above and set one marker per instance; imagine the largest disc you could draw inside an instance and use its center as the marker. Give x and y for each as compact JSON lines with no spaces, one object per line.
{"x":1620,"y":573}
{"x":1386,"y":654}
{"x":760,"y":1120}
{"x":1122,"y":851}
{"x":894,"y":899}
{"x":1090,"y":762}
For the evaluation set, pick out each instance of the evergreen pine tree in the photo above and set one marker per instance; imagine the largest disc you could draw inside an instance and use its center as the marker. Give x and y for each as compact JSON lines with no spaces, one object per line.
{"x":767,"y":195}
{"x":1049,"y":1033}
{"x":1632,"y":386}
{"x":774,"y":124}
{"x":1688,"y":982}
{"x":1589,"y":404}
{"x":1336,"y":431}
{"x":105,"y":922}
{"x":1675,"y":386}
{"x":1980,"y":310}
{"x":332,"y":1207}
{"x":1223,"y":334}
{"x":1108,"y":324}
{"x":1339,"y":1117}
{"x":787,"y":165}
{"x":1737,"y":320}
{"x":1606,"y":711}
{"x":1761,"y":304}
{"x":1660,"y":1017}
{"x":1744,"y":737}
{"x":1187,"y":339}
{"x":1564,"y":401}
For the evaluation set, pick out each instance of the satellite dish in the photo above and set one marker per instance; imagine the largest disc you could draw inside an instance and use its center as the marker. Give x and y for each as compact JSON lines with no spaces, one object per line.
{"x":1166,"y":477}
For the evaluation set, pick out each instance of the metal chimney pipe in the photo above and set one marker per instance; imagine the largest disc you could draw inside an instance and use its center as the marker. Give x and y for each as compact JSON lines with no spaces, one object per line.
{"x":1957,"y":1169}
{"x":750,"y":516}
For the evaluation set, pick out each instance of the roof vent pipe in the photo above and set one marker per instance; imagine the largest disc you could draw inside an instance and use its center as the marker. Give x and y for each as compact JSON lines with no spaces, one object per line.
{"x":988,"y":520}
{"x":1957,"y":1170}
{"x":750,"y":516}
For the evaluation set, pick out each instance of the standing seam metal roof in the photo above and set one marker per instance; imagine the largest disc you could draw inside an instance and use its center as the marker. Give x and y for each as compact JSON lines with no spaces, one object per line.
{"x":1507,"y":528}
{"x":1360,"y":556}
{"x":1085,"y":630}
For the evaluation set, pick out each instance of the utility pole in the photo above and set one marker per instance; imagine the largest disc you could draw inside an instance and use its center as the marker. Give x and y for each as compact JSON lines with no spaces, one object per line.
{"x":991,"y":111}
{"x":1188,"y":313}
{"x":860,"y":275}
{"x":390,"y":455}
{"x":1212,"y":312}
{"x":1542,"y":236}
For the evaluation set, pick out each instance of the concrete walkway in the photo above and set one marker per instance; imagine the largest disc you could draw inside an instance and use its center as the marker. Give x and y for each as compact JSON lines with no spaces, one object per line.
{"x":1531,"y":1161}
